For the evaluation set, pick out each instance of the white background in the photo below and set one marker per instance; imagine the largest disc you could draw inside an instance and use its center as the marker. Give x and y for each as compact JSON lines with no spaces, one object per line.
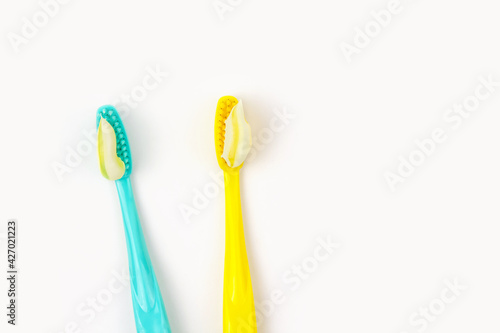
{"x":321,"y":176}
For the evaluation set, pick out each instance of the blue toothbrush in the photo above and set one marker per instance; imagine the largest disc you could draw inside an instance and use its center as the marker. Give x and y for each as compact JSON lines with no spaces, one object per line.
{"x":115,"y":163}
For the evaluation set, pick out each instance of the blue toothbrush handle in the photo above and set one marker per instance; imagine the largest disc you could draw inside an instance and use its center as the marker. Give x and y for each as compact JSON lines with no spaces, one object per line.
{"x":149,"y":311}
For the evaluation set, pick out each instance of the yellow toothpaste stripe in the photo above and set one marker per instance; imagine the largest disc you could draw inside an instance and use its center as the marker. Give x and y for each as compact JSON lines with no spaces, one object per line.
{"x":111,"y":166}
{"x":236,"y":137}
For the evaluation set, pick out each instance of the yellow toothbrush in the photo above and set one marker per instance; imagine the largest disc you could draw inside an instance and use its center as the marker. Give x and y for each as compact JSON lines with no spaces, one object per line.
{"x":232,"y":144}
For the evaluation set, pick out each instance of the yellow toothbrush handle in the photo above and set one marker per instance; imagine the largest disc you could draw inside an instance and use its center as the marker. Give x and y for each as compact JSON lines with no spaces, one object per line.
{"x":238,"y":304}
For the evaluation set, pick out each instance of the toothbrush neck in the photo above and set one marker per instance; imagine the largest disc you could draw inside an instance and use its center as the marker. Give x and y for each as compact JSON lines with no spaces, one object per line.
{"x":234,"y":220}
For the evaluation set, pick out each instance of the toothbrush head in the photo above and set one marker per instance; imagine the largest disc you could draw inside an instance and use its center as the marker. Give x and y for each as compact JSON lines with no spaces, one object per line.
{"x":233,"y":136}
{"x":224,"y":107}
{"x":113,"y":148}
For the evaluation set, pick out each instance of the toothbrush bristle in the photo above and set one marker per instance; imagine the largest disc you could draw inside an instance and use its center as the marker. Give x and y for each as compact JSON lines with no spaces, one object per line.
{"x":224,"y":107}
{"x":111,"y":115}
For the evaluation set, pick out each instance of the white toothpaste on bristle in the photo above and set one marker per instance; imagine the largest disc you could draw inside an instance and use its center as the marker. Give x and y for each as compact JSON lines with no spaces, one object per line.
{"x":238,"y":137}
{"x":112,"y":167}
